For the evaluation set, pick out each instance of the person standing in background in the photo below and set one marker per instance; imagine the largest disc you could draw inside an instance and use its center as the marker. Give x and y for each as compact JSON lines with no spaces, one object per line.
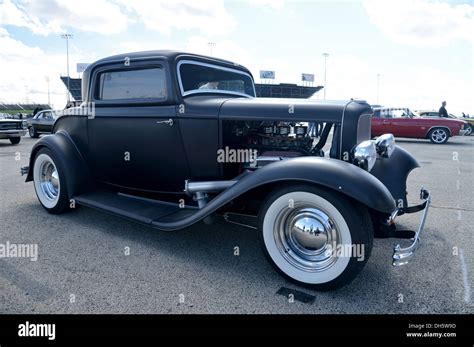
{"x":442,"y":110}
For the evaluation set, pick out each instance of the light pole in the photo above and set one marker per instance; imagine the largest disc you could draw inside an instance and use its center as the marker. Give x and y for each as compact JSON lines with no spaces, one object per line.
{"x":378,"y":88}
{"x":325,"y":55}
{"x":67,"y":37}
{"x":47,"y":81}
{"x":211,"y":45}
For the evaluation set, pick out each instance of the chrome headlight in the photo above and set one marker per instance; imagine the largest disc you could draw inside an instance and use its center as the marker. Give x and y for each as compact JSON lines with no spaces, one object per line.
{"x":365,"y":155}
{"x":24,"y":124}
{"x":385,"y":145}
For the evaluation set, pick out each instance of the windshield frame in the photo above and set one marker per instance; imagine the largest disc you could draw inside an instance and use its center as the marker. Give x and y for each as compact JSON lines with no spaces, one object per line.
{"x":213,"y":91}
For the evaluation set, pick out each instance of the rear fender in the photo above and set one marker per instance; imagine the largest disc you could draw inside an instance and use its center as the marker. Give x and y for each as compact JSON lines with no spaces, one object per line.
{"x":76,"y":171}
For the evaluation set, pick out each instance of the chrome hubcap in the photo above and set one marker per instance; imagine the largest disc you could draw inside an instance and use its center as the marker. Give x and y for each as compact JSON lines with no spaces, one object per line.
{"x":306,"y":237}
{"x":49,"y":180}
{"x":439,"y":135}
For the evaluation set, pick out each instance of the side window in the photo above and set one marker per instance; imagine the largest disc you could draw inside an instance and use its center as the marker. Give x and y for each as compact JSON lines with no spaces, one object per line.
{"x":386,"y":113}
{"x":147,"y":84}
{"x":47,"y":115}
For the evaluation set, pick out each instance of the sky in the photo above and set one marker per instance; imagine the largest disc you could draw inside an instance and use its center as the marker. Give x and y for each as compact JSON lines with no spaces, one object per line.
{"x":418,"y":52}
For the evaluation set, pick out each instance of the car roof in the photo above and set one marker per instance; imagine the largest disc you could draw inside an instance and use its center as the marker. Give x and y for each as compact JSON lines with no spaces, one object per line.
{"x":169,"y":54}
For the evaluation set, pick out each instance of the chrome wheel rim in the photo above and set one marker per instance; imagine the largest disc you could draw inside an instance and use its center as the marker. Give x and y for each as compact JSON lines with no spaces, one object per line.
{"x":439,"y":135}
{"x":31,"y":132}
{"x":306,"y":237}
{"x":49,"y":180}
{"x":468,"y":131}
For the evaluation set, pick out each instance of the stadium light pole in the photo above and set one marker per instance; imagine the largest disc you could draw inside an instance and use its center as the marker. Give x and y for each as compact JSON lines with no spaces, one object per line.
{"x":47,"y":81}
{"x":67,"y":37}
{"x":211,"y":45}
{"x":325,"y":55}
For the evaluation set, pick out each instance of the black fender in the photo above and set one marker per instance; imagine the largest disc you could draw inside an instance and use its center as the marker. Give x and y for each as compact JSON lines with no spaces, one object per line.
{"x":393,"y":173}
{"x":76,"y":170}
{"x":334,"y":174}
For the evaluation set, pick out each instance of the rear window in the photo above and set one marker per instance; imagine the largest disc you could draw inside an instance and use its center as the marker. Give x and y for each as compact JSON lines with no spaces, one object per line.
{"x":143,"y":84}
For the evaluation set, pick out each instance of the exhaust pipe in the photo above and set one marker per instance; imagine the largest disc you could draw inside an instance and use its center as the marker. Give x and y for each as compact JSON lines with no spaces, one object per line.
{"x":206,"y":187}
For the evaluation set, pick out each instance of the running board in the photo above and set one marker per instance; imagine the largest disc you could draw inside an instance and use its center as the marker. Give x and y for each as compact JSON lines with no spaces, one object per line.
{"x":142,"y":210}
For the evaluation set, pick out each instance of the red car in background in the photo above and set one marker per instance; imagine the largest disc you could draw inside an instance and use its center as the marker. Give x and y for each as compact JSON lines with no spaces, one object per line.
{"x":401,"y":122}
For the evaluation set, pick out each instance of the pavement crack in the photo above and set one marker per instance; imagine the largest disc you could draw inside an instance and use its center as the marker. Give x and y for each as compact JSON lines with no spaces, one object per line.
{"x":452,"y":208}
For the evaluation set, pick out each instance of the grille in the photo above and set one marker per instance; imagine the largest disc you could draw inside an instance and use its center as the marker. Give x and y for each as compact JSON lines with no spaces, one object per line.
{"x":10,"y":126}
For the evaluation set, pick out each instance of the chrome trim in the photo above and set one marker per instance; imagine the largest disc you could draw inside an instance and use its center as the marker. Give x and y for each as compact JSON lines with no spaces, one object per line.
{"x":49,"y":180}
{"x":215,"y":66}
{"x":305,"y":236}
{"x":170,"y":122}
{"x":385,"y":145}
{"x":401,"y":256}
{"x":365,"y":155}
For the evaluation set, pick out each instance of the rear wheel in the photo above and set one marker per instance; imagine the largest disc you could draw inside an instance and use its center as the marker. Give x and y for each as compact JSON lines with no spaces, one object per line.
{"x":315,"y":237}
{"x":438,"y":136}
{"x":15,"y":140}
{"x":49,"y":182}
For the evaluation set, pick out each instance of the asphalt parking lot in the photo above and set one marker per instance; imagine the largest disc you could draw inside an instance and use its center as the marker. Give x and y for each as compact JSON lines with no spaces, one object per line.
{"x":92,"y":262}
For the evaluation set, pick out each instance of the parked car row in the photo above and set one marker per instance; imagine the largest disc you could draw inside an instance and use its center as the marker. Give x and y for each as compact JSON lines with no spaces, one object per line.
{"x":435,"y":114}
{"x":42,"y":123}
{"x":12,"y":129}
{"x":402,"y":122}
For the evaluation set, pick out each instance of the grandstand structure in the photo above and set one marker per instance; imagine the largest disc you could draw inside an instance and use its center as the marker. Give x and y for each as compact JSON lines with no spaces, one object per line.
{"x":282,"y":90}
{"x":285,"y":90}
{"x":74,"y":87}
{"x":25,"y":109}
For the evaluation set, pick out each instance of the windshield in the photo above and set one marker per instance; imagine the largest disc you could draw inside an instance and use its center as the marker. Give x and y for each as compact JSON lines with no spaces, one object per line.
{"x":196,"y":77}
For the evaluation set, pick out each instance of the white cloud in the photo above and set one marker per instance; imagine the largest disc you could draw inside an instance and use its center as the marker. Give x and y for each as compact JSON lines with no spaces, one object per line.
{"x":206,"y":16}
{"x":23,"y":70}
{"x":422,"y":22}
{"x":268,"y":4}
{"x":46,"y":17}
{"x":111,"y":17}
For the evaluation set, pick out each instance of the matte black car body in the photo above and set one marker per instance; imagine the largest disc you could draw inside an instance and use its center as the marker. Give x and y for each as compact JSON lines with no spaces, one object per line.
{"x":140,"y":158}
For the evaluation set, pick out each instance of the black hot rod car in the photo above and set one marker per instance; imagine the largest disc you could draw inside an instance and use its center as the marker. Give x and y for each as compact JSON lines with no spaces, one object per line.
{"x":169,"y":139}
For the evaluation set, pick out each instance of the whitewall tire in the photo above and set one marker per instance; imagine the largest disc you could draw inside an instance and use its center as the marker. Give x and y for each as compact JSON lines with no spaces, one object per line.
{"x":311,"y":236}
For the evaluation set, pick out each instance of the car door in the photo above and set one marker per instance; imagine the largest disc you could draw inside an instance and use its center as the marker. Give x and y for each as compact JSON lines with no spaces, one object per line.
{"x":377,"y":124}
{"x":382,"y":123}
{"x":404,"y":123}
{"x":47,"y":122}
{"x":41,"y":121}
{"x":134,"y":136}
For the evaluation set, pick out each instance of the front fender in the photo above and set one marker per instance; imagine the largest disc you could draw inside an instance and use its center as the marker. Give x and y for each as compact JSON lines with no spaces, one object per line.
{"x":76,"y":171}
{"x":393,"y":173}
{"x":338,"y":175}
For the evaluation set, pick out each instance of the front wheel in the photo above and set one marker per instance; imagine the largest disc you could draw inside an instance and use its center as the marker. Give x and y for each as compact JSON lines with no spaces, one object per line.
{"x":469,"y":131}
{"x":15,"y":140}
{"x":438,"y":136}
{"x":315,"y":237}
{"x":49,"y":182}
{"x":32,"y":132}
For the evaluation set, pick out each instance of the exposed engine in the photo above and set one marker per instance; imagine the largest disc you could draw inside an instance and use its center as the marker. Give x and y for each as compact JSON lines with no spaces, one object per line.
{"x":273,"y":140}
